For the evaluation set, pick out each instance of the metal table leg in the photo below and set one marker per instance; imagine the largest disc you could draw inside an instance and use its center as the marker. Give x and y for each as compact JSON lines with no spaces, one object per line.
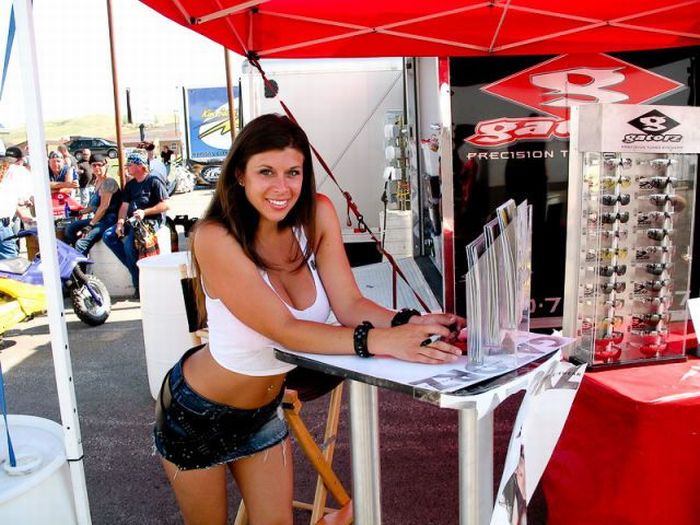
{"x":475,"y":468}
{"x":364,"y":432}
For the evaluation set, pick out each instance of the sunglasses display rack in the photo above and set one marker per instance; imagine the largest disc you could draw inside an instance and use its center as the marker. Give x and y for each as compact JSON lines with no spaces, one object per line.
{"x":630,"y":231}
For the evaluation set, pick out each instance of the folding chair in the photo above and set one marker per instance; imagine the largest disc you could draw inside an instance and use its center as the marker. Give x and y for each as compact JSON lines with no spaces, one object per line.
{"x":302,"y":385}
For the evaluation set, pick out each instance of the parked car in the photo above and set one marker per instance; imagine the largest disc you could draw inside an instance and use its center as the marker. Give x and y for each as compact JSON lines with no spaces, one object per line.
{"x":94,"y":144}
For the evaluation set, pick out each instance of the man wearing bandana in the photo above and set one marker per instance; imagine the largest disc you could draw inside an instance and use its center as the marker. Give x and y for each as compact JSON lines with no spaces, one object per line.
{"x":145,"y":198}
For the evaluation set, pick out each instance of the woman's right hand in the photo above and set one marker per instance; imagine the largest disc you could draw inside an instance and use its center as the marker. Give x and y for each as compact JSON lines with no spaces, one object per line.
{"x":404,"y":342}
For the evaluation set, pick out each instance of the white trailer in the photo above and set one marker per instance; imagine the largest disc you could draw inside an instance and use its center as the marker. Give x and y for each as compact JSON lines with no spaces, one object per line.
{"x":343,"y":106}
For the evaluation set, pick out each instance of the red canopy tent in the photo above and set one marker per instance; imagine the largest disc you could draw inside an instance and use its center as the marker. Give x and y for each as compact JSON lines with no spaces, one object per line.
{"x":322,"y":28}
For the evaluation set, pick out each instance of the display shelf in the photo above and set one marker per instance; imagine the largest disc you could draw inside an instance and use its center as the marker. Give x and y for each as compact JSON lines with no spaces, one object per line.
{"x":634,"y":212}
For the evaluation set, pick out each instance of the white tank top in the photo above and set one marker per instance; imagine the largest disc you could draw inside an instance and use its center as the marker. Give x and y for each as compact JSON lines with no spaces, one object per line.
{"x":239,"y":348}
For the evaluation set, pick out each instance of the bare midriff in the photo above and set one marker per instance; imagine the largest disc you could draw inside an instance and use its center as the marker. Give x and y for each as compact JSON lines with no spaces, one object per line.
{"x":215,"y":383}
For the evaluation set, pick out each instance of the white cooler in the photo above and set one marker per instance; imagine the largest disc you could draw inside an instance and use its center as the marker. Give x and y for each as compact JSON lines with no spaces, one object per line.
{"x":44,"y":494}
{"x":165,"y":333}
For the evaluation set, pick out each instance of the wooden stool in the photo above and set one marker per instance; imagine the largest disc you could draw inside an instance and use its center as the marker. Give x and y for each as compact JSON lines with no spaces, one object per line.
{"x":321,"y":459}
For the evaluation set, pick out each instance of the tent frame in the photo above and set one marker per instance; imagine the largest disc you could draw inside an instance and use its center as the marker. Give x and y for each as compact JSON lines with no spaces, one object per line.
{"x":47,"y":244}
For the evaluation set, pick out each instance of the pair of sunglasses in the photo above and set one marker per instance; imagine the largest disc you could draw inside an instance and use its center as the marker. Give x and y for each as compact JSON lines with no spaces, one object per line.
{"x":610,"y":183}
{"x":644,"y":253}
{"x":658,"y":234}
{"x":653,"y":318}
{"x":650,"y":336}
{"x":623,"y":162}
{"x":611,"y":218}
{"x":653,"y":217}
{"x":659,"y":300}
{"x":657,"y":268}
{"x":606,"y":254}
{"x":614,"y":303}
{"x":610,"y":270}
{"x":617,"y":234}
{"x":610,"y":287}
{"x":656,"y":285}
{"x":616,"y":321}
{"x":661,"y":164}
{"x":660,"y":199}
{"x":611,"y":200}
{"x":614,"y":338}
{"x":658,"y":182}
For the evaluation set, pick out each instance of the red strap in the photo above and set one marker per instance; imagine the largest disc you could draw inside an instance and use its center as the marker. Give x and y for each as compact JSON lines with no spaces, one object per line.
{"x":350,"y":203}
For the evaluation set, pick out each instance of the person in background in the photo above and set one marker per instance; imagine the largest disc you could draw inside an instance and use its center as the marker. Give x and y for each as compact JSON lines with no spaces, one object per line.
{"x":69,"y":159}
{"x":270,"y":266}
{"x":62,"y":177}
{"x":166,"y":154}
{"x":85,"y":177}
{"x":24,"y":176}
{"x":104,"y":203}
{"x":155,"y":166}
{"x":143,"y":197}
{"x":12,"y":199}
{"x":23,"y":179}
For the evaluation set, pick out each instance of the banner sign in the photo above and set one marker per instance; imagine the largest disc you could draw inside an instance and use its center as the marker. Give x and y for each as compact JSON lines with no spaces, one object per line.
{"x":208,"y":124}
{"x":648,"y":129}
{"x":537,"y":428}
{"x":510,"y":118}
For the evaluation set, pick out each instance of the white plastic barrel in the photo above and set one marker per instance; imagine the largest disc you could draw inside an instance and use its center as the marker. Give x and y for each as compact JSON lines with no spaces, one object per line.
{"x":165,"y":333}
{"x":44,"y":494}
{"x":113,"y":273}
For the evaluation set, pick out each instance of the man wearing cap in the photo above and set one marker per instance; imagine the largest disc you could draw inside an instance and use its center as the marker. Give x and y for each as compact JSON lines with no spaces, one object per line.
{"x":62,"y":177}
{"x":23,"y":179}
{"x":12,"y":197}
{"x":144,"y":197}
{"x":104,"y":203}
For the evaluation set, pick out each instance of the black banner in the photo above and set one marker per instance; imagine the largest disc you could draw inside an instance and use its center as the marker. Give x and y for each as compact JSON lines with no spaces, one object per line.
{"x":510,"y":128}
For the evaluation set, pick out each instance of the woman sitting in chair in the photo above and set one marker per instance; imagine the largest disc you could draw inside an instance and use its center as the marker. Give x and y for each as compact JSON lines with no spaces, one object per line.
{"x":269,"y":260}
{"x":105,"y":203}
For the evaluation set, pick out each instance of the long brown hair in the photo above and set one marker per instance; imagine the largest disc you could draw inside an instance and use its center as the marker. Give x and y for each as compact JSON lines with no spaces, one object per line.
{"x":229,"y":206}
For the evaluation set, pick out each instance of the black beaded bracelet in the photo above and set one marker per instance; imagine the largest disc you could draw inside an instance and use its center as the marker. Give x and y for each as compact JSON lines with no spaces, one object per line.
{"x":403,"y":315}
{"x":359,"y":339}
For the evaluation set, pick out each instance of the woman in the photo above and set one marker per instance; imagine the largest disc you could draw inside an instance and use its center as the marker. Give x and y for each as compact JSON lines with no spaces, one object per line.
{"x":271,"y":265}
{"x":104,"y":203}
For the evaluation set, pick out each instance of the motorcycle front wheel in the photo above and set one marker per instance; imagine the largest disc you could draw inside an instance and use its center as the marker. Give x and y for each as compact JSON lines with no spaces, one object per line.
{"x":85,"y":305}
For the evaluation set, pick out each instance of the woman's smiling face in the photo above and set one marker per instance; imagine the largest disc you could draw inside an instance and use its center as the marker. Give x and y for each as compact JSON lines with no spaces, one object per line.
{"x":272,"y":182}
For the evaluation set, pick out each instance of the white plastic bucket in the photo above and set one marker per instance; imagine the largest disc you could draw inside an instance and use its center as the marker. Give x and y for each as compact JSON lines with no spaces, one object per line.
{"x":44,"y":495}
{"x":165,"y":332}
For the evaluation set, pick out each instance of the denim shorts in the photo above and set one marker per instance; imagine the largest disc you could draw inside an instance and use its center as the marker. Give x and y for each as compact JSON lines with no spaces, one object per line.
{"x":193,"y":432}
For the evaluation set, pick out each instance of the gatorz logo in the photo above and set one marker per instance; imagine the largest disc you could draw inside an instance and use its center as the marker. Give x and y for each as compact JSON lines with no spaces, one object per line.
{"x":552,"y":87}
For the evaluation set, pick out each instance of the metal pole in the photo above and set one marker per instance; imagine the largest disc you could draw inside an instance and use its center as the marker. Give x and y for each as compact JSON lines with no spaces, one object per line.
{"x":115,"y":94}
{"x":475,"y":467}
{"x":47,"y":244}
{"x":364,"y":432}
{"x":229,"y":92}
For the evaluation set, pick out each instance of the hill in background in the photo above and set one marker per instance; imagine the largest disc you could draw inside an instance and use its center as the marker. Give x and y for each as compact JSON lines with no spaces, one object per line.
{"x":163,"y":128}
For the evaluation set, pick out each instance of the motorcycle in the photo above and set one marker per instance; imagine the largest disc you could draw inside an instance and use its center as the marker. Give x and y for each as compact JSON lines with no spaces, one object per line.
{"x":180,"y":179}
{"x":89,"y":296}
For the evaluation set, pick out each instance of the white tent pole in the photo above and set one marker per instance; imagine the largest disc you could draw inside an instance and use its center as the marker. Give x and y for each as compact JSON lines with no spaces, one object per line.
{"x":47,"y":245}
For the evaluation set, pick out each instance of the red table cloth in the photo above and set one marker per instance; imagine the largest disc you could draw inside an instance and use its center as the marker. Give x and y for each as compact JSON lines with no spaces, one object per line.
{"x":630,"y":450}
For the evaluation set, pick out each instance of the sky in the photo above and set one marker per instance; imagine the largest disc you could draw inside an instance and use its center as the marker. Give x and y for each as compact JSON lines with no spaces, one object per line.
{"x":154,"y":57}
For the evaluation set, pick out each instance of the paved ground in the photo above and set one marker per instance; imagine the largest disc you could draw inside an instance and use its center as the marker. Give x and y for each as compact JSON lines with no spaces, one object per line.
{"x":124,"y":478}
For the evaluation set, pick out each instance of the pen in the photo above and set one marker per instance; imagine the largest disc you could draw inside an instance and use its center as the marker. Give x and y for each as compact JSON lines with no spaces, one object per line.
{"x":430,"y":340}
